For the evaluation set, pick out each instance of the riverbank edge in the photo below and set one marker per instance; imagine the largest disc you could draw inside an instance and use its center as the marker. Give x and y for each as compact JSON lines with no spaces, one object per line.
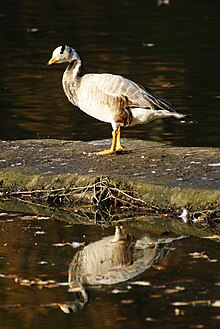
{"x":31,"y":177}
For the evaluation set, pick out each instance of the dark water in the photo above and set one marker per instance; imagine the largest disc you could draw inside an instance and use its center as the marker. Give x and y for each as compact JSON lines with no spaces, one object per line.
{"x":173,"y":49}
{"x":173,"y":285}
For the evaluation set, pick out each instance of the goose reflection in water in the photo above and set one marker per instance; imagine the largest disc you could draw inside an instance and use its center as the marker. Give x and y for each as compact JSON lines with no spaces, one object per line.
{"x":112,"y":260}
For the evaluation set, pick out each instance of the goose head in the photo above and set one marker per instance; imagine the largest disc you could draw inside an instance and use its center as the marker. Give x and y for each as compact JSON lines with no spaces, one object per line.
{"x":63,"y":54}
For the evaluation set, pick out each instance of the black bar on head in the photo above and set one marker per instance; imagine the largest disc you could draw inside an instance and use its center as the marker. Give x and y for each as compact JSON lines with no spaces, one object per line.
{"x":62,"y":49}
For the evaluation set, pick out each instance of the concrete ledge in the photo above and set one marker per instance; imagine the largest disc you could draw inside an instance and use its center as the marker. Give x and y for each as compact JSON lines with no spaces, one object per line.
{"x":163,"y":176}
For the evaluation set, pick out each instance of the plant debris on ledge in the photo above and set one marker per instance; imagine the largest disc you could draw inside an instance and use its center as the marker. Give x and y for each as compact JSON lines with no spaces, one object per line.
{"x":150,"y":177}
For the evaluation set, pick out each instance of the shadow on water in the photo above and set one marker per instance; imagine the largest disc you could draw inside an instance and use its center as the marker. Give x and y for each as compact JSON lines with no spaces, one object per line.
{"x":147,"y":272}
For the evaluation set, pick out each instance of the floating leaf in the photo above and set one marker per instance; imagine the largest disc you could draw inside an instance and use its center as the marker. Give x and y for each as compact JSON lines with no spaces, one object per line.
{"x":201,"y":302}
{"x":39,"y":232}
{"x":215,"y":317}
{"x":180,"y":288}
{"x":150,"y":319}
{"x":49,"y":305}
{"x":38,"y":282}
{"x":198,"y":255}
{"x":155,"y":296}
{"x":171,"y":291}
{"x":23,"y":282}
{"x":127,"y":301}
{"x":179,"y":303}
{"x":159,"y":267}
{"x":216,"y":303}
{"x":141,"y":283}
{"x":9,"y":276}
{"x":118,"y":291}
{"x":178,"y":312}
{"x":213,"y":260}
{"x":74,"y":244}
{"x":62,"y":244}
{"x":202,"y":255}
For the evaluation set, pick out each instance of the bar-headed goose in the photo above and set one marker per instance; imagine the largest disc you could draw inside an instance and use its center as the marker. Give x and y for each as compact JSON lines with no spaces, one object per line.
{"x":108,"y":97}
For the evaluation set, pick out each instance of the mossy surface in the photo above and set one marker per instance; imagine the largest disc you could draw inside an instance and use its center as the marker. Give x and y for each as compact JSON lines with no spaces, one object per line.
{"x":162,"y":176}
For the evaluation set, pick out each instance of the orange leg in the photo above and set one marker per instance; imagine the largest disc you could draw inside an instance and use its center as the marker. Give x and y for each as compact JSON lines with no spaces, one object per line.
{"x":119,"y":147}
{"x":116,"y":143}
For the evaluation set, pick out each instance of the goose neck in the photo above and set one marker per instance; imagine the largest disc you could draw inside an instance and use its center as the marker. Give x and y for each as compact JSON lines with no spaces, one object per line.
{"x":74,"y":68}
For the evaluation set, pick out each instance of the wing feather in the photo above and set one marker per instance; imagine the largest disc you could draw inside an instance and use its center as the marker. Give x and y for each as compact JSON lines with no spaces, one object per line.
{"x":107,"y":85}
